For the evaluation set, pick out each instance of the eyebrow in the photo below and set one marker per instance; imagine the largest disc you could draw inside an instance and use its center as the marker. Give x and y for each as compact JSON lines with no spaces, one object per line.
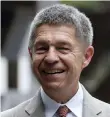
{"x":64,"y":43}
{"x":40,"y":42}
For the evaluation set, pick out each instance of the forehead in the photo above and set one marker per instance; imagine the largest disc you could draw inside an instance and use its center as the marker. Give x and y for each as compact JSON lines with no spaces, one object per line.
{"x":67,"y":29}
{"x":53,"y":33}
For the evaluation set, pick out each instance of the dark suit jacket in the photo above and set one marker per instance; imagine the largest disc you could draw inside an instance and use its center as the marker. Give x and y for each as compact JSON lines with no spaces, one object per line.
{"x":34,"y":107}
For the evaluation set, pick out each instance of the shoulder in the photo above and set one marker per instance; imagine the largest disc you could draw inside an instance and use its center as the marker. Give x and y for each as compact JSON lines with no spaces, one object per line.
{"x":102,"y":104}
{"x":94,"y":105}
{"x":14,"y":111}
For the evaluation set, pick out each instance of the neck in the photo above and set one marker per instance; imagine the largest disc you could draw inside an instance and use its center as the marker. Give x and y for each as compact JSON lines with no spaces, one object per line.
{"x":61,"y":96}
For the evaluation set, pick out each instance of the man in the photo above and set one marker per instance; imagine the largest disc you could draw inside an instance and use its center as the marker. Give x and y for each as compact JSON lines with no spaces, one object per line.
{"x":60,"y":48}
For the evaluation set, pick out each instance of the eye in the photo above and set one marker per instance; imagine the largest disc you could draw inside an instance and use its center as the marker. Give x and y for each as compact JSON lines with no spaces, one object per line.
{"x":64,"y":50}
{"x":40,"y":50}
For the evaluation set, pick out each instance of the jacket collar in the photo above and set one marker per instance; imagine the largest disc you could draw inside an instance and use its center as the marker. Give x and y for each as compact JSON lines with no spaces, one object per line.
{"x":90,"y":106}
{"x":35,"y":108}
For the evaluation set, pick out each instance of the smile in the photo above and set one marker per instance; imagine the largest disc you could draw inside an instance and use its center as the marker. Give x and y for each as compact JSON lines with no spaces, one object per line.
{"x":53,"y":71}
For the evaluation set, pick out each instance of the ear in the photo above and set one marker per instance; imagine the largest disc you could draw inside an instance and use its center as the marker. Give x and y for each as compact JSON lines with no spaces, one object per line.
{"x":88,"y":56}
{"x":30,"y":53}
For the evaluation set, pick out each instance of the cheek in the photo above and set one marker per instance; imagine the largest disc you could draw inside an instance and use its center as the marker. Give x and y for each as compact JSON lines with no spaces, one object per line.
{"x":37,"y":60}
{"x":69,"y":60}
{"x":73,"y":61}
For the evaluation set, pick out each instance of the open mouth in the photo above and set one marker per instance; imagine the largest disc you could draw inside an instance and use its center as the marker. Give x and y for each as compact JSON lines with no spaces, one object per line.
{"x":53,"y":71}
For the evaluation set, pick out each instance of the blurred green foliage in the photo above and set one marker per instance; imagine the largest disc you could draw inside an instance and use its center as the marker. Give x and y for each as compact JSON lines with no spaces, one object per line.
{"x":90,"y":5}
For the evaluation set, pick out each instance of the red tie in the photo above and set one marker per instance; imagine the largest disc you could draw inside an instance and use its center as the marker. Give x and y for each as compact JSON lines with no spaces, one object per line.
{"x":62,"y":111}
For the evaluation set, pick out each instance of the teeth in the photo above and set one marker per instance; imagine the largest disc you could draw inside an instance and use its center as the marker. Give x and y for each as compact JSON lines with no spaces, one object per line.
{"x":53,"y":71}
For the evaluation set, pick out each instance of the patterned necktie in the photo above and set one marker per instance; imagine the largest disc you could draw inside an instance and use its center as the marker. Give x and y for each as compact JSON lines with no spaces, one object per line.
{"x":62,"y":111}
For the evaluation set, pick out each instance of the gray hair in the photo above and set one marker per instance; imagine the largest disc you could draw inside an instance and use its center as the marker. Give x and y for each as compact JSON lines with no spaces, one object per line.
{"x":63,"y":14}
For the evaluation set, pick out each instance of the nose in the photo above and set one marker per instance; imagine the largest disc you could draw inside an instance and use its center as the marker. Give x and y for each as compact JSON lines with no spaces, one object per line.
{"x":51,"y":56}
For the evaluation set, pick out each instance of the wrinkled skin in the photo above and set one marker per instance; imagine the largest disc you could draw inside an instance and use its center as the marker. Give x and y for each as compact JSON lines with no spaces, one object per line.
{"x":58,"y":58}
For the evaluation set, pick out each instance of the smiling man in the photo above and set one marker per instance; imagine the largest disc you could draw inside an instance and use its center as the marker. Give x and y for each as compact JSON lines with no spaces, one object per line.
{"x":58,"y":59}
{"x":60,"y":47}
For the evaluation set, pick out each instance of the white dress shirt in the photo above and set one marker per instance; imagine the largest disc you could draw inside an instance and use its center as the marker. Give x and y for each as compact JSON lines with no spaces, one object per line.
{"x":75,"y":104}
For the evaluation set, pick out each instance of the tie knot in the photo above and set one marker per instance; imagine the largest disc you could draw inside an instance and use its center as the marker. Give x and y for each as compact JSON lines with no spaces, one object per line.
{"x":62,"y":111}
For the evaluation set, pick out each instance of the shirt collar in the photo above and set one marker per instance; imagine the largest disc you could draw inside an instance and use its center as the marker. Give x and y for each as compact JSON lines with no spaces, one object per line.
{"x":75,"y":104}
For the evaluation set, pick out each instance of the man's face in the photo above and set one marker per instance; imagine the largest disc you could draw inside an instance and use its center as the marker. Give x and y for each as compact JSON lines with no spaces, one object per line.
{"x":58,"y":57}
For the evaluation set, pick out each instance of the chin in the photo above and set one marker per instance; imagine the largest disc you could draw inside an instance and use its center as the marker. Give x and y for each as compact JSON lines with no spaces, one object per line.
{"x":52,"y":86}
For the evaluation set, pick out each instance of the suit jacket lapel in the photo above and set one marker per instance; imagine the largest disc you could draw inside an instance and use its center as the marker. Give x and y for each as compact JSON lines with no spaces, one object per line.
{"x":89,"y":106}
{"x":35,"y":108}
